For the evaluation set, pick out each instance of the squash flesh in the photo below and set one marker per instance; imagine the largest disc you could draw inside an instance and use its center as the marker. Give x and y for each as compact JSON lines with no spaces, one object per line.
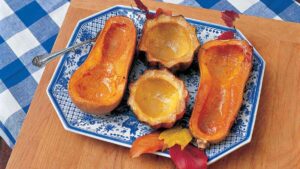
{"x":98,"y":85}
{"x":157,"y":97}
{"x":223,"y":63}
{"x":225,"y":67}
{"x":171,"y":44}
{"x":101,"y":82}
{"x":169,"y":41}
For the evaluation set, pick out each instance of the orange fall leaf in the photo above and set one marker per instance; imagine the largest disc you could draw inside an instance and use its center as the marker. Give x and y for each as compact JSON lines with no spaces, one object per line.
{"x":148,"y":143}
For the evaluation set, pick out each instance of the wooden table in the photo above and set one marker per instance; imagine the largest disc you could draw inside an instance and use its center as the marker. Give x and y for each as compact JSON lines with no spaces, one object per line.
{"x":43,"y":143}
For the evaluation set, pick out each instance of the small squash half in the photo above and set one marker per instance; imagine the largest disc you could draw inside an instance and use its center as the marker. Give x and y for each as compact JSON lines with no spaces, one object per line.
{"x":158,"y":98}
{"x":169,"y":41}
{"x":98,"y":85}
{"x":224,"y":66}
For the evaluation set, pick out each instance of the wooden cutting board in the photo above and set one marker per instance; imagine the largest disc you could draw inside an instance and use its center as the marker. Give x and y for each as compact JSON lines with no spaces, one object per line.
{"x":43,"y":143}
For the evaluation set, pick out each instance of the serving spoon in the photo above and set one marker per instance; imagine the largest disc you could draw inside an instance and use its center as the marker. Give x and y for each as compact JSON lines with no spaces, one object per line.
{"x":42,"y":60}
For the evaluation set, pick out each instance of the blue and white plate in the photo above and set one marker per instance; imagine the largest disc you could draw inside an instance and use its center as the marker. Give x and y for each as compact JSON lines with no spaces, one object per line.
{"x":121,"y":126}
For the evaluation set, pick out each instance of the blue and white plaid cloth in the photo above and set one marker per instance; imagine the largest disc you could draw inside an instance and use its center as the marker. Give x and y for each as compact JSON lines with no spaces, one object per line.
{"x":29,"y":28}
{"x":286,"y":10}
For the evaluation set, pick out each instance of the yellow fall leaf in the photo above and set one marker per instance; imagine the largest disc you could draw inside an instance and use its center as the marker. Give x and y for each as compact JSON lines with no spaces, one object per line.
{"x":177,"y":135}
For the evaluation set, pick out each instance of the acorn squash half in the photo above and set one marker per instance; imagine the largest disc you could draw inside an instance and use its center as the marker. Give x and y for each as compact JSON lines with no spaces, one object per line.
{"x":158,"y":98}
{"x":169,"y":41}
{"x":98,"y":85}
{"x":225,"y":66}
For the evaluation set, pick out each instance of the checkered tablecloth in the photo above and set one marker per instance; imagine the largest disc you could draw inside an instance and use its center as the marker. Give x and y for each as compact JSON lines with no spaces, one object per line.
{"x":286,"y":10}
{"x":29,"y":28}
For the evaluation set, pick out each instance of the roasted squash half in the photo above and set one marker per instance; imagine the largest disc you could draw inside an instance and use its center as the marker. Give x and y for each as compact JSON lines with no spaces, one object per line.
{"x":158,"y":98}
{"x":224,"y":66}
{"x":169,"y":41}
{"x":99,"y":83}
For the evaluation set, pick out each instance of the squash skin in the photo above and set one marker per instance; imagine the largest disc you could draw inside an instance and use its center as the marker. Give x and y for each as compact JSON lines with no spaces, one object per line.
{"x":173,"y":64}
{"x":208,"y":124}
{"x":176,"y":114}
{"x":86,"y":97}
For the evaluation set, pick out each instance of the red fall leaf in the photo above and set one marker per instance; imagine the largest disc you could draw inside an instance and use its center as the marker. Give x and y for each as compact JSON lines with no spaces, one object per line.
{"x":188,"y":158}
{"x":226,"y":35}
{"x":229,"y":17}
{"x":148,"y":14}
{"x":141,"y":5}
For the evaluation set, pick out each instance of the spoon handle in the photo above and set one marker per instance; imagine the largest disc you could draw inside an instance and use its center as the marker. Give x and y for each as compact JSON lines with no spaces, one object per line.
{"x":42,"y":60}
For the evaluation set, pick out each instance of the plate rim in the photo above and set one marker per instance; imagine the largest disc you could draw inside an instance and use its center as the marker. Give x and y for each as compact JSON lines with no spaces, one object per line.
{"x":69,"y":128}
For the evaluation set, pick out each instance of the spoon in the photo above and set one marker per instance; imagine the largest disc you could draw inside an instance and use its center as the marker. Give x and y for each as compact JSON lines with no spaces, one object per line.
{"x":42,"y":60}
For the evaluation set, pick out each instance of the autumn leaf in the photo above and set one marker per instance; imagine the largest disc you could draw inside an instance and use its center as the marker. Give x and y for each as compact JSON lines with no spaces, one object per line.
{"x":188,"y":158}
{"x":177,"y":135}
{"x":229,"y":17}
{"x":226,"y":35}
{"x":141,"y":5}
{"x":148,"y":143}
{"x":148,"y":14}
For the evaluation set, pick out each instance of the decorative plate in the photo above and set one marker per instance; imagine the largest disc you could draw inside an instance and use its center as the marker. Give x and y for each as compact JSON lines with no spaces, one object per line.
{"x":121,"y":126}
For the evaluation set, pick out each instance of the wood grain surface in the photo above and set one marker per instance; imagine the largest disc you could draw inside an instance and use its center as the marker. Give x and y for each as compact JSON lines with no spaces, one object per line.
{"x":43,"y":143}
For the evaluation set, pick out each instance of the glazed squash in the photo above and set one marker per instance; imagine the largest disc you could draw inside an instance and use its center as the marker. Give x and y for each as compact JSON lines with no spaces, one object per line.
{"x":158,"y":98}
{"x":169,"y":41}
{"x":99,"y":83}
{"x":224,"y":66}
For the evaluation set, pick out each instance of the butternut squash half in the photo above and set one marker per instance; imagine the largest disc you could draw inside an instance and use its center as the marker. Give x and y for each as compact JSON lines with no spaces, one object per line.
{"x":224,"y":68}
{"x":98,"y":85}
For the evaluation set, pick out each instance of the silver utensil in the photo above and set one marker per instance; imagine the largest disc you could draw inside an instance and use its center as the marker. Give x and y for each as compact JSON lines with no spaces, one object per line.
{"x":42,"y":60}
